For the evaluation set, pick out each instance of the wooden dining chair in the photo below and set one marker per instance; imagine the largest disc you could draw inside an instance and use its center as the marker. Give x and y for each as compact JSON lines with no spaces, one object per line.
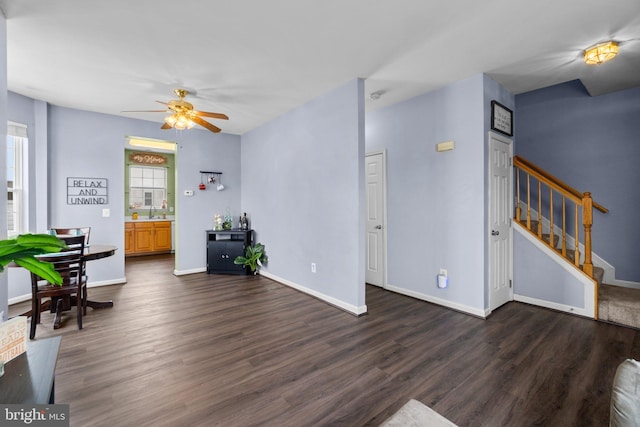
{"x":70,"y":265}
{"x":63,"y":233}
{"x":73,"y":231}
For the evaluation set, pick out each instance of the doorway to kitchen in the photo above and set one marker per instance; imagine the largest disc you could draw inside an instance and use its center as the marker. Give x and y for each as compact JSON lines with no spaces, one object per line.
{"x":150,"y":197}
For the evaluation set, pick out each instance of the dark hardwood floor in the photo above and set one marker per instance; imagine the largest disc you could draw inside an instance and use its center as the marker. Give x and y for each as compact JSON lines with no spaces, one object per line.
{"x":204,"y":350}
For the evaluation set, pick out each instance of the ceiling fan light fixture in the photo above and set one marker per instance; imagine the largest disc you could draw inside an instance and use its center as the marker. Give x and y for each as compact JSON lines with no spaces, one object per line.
{"x":182,"y":115}
{"x":601,"y":53}
{"x":179,"y":121}
{"x":182,"y":122}
{"x":171,"y":119}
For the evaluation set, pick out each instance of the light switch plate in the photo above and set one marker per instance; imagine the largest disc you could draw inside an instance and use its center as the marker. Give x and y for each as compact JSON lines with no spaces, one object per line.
{"x":106,"y":213}
{"x":188,"y":192}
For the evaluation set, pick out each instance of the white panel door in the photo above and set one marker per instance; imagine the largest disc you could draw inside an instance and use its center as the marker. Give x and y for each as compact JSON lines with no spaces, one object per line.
{"x":375,"y":235}
{"x":500,"y":212}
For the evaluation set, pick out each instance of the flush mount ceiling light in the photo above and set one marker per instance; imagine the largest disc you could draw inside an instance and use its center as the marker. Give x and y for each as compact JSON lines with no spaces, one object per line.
{"x":601,"y":53}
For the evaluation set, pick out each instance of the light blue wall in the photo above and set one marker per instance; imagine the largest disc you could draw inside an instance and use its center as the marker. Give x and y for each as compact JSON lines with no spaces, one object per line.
{"x":436,"y":201}
{"x":302,"y":187}
{"x":204,"y":151}
{"x":538,"y":276}
{"x":591,"y":143}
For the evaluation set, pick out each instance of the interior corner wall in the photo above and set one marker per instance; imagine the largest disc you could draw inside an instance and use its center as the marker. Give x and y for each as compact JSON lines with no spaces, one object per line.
{"x":435,"y":200}
{"x":591,"y":143}
{"x":204,"y":151}
{"x":303,"y":189}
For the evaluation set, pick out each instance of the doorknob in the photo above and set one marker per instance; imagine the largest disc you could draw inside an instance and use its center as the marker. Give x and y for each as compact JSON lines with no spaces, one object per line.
{"x":494,"y":232}
{"x":378,"y":227}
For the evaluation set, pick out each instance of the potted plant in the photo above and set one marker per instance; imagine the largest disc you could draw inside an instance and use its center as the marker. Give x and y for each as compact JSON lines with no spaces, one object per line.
{"x":253,"y":258}
{"x":23,"y":249}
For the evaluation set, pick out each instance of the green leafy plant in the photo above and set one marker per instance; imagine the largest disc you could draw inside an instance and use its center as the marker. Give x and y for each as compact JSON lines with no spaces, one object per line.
{"x":23,"y":249}
{"x":253,"y":258}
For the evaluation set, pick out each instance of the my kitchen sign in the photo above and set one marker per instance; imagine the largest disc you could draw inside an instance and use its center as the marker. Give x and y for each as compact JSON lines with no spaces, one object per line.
{"x":87,"y":191}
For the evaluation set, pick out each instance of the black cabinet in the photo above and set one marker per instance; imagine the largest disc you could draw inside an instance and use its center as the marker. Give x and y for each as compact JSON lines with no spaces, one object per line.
{"x":223,"y":247}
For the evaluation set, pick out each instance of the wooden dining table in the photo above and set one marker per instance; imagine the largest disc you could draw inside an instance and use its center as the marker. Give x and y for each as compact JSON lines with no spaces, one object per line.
{"x":91,"y":253}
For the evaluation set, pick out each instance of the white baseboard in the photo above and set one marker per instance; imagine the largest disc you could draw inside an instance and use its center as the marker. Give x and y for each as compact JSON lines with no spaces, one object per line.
{"x":27,"y":297}
{"x":443,"y":302}
{"x":192,"y":271}
{"x":553,"y":305}
{"x":326,"y":298}
{"x":120,"y":281}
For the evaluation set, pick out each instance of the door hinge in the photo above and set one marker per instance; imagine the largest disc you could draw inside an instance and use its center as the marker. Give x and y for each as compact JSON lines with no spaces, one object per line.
{"x":510,"y":161}
{"x":510,"y":222}
{"x":510,"y":284}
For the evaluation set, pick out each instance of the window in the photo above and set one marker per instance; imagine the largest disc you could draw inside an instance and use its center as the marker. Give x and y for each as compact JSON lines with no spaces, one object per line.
{"x":16,"y":145}
{"x":147,"y":187}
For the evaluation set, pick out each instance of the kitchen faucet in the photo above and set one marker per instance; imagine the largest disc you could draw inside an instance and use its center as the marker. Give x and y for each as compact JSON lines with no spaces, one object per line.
{"x":151,"y":212}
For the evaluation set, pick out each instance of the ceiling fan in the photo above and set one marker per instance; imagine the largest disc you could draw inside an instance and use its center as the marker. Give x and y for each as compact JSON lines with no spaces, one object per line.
{"x":182,"y":115}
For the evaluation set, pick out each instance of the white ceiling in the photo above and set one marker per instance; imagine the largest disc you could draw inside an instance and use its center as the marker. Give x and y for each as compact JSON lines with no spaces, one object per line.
{"x":255,"y":60}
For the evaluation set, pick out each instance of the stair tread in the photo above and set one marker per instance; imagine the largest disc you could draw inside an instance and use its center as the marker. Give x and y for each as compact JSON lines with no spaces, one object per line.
{"x":620,"y":305}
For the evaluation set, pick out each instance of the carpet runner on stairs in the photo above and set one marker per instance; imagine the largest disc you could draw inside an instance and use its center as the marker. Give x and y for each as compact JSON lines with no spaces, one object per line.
{"x":619,"y":305}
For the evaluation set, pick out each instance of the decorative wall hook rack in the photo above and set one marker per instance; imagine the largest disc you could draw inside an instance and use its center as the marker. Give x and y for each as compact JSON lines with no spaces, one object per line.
{"x":212,"y":177}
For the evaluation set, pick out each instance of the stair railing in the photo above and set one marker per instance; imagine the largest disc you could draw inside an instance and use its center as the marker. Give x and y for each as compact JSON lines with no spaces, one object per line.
{"x":582,"y":211}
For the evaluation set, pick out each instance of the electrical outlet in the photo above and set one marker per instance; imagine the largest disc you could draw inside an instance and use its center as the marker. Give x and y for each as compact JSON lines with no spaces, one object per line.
{"x":188,"y":192}
{"x":313,"y":267}
{"x":106,"y":213}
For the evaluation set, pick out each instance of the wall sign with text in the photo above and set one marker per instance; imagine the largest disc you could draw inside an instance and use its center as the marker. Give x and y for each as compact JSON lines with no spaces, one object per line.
{"x":87,"y":191}
{"x":501,"y":118}
{"x":147,"y":158}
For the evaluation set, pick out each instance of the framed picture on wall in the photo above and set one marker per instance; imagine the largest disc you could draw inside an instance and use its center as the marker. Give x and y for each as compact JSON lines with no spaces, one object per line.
{"x":501,"y":118}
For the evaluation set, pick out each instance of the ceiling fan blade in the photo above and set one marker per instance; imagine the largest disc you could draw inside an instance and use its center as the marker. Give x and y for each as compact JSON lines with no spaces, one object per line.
{"x":205,"y":124}
{"x":145,"y":111}
{"x":212,"y":115}
{"x":163,"y":103}
{"x":165,"y":126}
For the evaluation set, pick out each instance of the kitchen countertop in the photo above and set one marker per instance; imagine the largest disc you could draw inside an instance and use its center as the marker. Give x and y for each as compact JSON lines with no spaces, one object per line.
{"x":146,"y":219}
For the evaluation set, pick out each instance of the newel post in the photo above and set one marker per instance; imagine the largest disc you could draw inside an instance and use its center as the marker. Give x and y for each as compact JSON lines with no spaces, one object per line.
{"x":587,"y":221}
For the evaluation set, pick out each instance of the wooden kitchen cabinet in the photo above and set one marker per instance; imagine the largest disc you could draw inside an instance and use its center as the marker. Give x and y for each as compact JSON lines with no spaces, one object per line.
{"x":128,"y":237}
{"x":147,"y":237}
{"x":162,"y":236}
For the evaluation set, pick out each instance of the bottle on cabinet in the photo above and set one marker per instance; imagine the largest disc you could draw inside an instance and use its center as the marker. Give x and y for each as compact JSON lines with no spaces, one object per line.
{"x":244,"y":222}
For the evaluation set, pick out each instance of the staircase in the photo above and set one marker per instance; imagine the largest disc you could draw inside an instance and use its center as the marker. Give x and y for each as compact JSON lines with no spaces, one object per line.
{"x":562,"y":218}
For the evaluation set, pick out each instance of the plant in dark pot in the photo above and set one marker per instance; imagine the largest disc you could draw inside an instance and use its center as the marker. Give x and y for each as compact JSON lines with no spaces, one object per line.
{"x":23,"y":249}
{"x":253,"y":258}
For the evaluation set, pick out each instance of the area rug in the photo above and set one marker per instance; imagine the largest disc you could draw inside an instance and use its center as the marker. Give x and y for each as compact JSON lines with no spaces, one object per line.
{"x":417,"y":414}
